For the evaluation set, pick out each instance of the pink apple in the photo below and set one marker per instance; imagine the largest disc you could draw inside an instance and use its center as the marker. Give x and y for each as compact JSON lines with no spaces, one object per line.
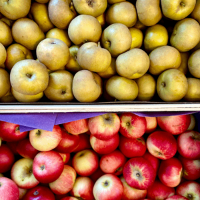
{"x":6,"y":158}
{"x":10,"y":132}
{"x":176,"y":197}
{"x":104,"y":146}
{"x":83,"y":188}
{"x":159,"y":191}
{"x":13,"y":147}
{"x":132,"y":126}
{"x":189,"y":189}
{"x":170,"y":172}
{"x":139,"y":173}
{"x":132,"y":147}
{"x":104,"y":126}
{"x":65,"y":182}
{"x":155,"y":162}
{"x":113,"y":163}
{"x":162,"y":144}
{"x":25,"y":149}
{"x":85,"y":162}
{"x":151,"y":124}
{"x":43,"y":140}
{"x":189,"y":144}
{"x":174,"y":124}
{"x":39,"y":193}
{"x":8,"y":189}
{"x":22,"y":192}
{"x":191,"y":168}
{"x":65,"y":157}
{"x":84,"y":144}
{"x":22,"y":173}
{"x":68,"y":142}
{"x":130,"y":192}
{"x":47,"y":166}
{"x":108,"y":187}
{"x":77,"y":127}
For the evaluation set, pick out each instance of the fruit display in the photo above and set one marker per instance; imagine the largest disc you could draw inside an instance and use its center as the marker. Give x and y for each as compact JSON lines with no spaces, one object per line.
{"x":99,"y":51}
{"x":113,"y":156}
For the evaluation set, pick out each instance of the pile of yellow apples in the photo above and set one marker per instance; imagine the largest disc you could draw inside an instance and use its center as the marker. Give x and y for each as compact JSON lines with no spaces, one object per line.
{"x":99,"y":50}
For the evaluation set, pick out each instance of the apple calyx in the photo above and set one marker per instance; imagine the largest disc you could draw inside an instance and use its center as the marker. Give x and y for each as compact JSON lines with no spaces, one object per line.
{"x":106,"y":183}
{"x":90,"y":3}
{"x":108,"y":43}
{"x":29,"y":75}
{"x":42,"y":167}
{"x":36,"y":193}
{"x":163,"y":84}
{"x":190,"y":196}
{"x":182,"y":4}
{"x":63,"y":92}
{"x":38,"y":132}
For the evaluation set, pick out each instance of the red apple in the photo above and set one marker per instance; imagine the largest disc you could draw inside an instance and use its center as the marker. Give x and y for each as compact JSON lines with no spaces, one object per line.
{"x":84,"y":144}
{"x":68,"y":142}
{"x":104,"y":126}
{"x":83,"y":188}
{"x":176,"y":197}
{"x":8,"y":189}
{"x":159,"y":191}
{"x":65,"y":182}
{"x":175,"y":125}
{"x":191,"y":168}
{"x":43,"y":140}
{"x":130,"y":192}
{"x":97,"y":174}
{"x":65,"y":157}
{"x":189,"y":144}
{"x":170,"y":172}
{"x":132,"y":147}
{"x":77,"y":127}
{"x":151,"y":124}
{"x":69,"y":198}
{"x":113,"y":163}
{"x":6,"y":158}
{"x":13,"y":147}
{"x":108,"y":187}
{"x":162,"y":144}
{"x":189,"y":189}
{"x":39,"y":193}
{"x":104,"y":146}
{"x":139,"y":173}
{"x":25,"y":149}
{"x":132,"y":126}
{"x":85,"y":162}
{"x":10,"y":132}
{"x":22,"y":174}
{"x":47,"y":166}
{"x":155,"y":162}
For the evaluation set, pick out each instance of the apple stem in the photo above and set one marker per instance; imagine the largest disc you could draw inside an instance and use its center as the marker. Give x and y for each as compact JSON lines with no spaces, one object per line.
{"x":138,"y":175}
{"x":38,"y":132}
{"x":182,"y":4}
{"x":17,"y":128}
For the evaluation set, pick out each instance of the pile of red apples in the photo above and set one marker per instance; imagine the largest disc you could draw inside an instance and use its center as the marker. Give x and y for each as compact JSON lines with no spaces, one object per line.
{"x":115,"y":156}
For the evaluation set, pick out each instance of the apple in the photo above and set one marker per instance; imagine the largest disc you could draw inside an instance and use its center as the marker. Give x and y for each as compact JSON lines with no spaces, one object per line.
{"x":107,"y":187}
{"x":65,"y":182}
{"x":22,"y":192}
{"x":69,"y":198}
{"x":174,"y":124}
{"x":84,"y":144}
{"x":22,"y":173}
{"x":68,"y":142}
{"x":97,"y":174}
{"x":104,"y":146}
{"x":189,"y":189}
{"x":83,"y":188}
{"x":10,"y":132}
{"x":8,"y":189}
{"x":139,"y":173}
{"x":192,"y":123}
{"x":43,"y":140}
{"x":76,"y":127}
{"x":65,"y":157}
{"x":189,"y":144}
{"x":134,"y":147}
{"x":39,"y":193}
{"x":159,"y":191}
{"x":85,"y":162}
{"x":6,"y":158}
{"x":13,"y":147}
{"x":130,"y":192}
{"x":132,"y":126}
{"x":176,"y":197}
{"x":170,"y":172}
{"x":151,"y":124}
{"x":112,"y":163}
{"x":191,"y":168}
{"x":161,"y":144}
{"x":47,"y":166}
{"x":25,"y":149}
{"x":104,"y":126}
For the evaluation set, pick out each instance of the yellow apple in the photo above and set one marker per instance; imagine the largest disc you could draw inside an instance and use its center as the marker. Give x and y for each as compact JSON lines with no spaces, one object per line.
{"x":194,"y":64}
{"x":196,"y":12}
{"x":8,"y":97}
{"x":5,"y":34}
{"x":137,"y":37}
{"x":184,"y":62}
{"x":102,"y":19}
{"x":3,"y":54}
{"x":4,"y":82}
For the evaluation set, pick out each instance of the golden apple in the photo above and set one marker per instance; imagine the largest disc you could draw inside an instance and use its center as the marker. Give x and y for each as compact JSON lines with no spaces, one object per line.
{"x":3,"y":54}
{"x":115,"y":1}
{"x":194,"y":64}
{"x":196,"y":12}
{"x":9,"y":22}
{"x":42,"y":1}
{"x":140,"y":25}
{"x":102,"y":19}
{"x":133,"y":63}
{"x":53,"y":53}
{"x":15,"y":53}
{"x":8,"y":97}
{"x":193,"y":92}
{"x":5,"y":34}
{"x":4,"y":82}
{"x":137,"y":37}
{"x":184,"y":62}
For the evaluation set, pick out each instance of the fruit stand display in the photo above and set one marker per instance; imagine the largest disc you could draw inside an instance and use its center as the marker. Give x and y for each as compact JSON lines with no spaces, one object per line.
{"x":99,"y":99}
